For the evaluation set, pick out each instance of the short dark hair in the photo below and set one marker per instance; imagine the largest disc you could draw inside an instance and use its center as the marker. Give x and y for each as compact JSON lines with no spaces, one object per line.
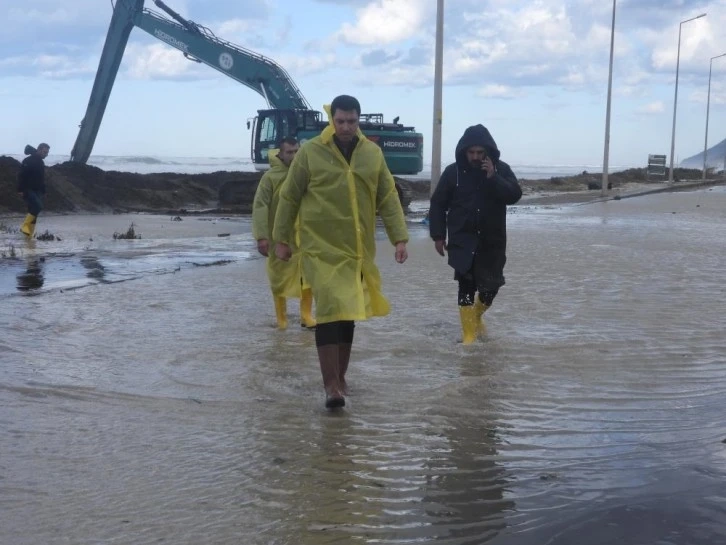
{"x":289,"y":140}
{"x":346,"y":103}
{"x":43,"y":145}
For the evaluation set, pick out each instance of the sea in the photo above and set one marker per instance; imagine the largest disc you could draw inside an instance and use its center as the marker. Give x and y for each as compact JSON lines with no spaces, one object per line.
{"x":148,"y":164}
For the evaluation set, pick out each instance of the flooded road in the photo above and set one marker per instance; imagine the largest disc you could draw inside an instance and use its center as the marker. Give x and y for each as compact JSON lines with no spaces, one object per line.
{"x":146,"y":396}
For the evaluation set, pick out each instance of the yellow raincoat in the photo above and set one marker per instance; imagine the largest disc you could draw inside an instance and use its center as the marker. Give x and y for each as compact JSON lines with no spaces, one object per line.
{"x":284,"y":276}
{"x":337,"y":205}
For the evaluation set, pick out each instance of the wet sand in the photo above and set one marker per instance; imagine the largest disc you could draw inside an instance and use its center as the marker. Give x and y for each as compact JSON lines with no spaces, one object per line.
{"x":148,"y":398}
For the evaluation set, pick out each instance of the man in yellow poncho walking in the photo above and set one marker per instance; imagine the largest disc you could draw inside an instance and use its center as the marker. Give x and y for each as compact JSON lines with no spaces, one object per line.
{"x":285,"y":277}
{"x":337,"y":183}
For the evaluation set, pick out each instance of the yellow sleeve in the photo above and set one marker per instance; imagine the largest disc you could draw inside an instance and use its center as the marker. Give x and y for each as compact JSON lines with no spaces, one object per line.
{"x":261,"y":228}
{"x":389,"y":206}
{"x":291,"y":194}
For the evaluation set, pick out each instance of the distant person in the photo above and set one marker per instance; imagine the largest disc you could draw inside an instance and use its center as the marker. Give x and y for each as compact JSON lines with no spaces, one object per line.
{"x":470,"y":202}
{"x":31,"y":185}
{"x":337,"y":183}
{"x":285,"y":278}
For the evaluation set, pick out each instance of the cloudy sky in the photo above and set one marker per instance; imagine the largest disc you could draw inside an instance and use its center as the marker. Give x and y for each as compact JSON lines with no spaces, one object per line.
{"x":534,"y":72}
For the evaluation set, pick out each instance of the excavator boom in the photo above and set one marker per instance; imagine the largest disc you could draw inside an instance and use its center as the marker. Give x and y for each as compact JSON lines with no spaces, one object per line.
{"x":198,"y":43}
{"x":117,"y":37}
{"x":290,"y":113}
{"x":257,"y":72}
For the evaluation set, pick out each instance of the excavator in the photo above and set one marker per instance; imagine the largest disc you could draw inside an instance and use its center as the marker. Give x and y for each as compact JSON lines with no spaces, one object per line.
{"x":289,"y":113}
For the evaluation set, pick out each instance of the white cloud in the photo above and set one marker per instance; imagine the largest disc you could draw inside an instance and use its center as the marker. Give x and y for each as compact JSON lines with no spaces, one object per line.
{"x":302,"y":66}
{"x":498,"y":91}
{"x":699,"y":38}
{"x":718,"y":93}
{"x":598,"y":36}
{"x":574,"y":77}
{"x":564,"y":42}
{"x":58,"y":15}
{"x":233,"y":27}
{"x":398,"y":75}
{"x":53,"y":66}
{"x":527,"y":39}
{"x":49,"y":13}
{"x":384,"y":22}
{"x":160,"y":61}
{"x":656,"y":107}
{"x":473,"y":55}
{"x":14,"y":61}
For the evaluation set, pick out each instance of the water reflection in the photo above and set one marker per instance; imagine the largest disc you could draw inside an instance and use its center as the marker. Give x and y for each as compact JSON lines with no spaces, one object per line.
{"x":33,"y":277}
{"x":395,"y":478}
{"x":466,"y":488}
{"x":341,"y":497}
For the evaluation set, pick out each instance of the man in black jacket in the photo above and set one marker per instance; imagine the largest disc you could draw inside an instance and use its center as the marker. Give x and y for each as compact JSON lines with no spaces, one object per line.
{"x":470,"y":202}
{"x":31,"y":185}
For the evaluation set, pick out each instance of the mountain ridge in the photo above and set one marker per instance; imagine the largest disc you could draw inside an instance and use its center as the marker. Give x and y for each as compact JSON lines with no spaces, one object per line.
{"x":715,"y":156}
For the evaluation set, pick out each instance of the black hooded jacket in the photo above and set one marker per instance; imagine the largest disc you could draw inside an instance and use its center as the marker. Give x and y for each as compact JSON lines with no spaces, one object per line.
{"x":32,"y":175}
{"x":473,"y":208}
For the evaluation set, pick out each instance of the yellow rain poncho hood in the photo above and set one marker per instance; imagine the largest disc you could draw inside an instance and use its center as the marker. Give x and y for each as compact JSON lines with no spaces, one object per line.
{"x":284,"y":276}
{"x":337,"y":204}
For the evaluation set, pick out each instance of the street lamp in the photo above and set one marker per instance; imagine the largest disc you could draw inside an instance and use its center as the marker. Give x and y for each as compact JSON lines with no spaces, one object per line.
{"x":675,"y":100}
{"x":708,"y":106}
{"x":606,"y":157}
{"x":438,"y":84}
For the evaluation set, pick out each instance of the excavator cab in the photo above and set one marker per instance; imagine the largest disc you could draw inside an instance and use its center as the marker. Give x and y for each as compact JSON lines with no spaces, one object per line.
{"x":402,"y":146}
{"x":270,"y":126}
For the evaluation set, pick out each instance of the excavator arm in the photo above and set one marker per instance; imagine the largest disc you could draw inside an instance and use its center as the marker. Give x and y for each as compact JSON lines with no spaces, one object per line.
{"x":198,"y":43}
{"x":259,"y":73}
{"x":113,"y":51}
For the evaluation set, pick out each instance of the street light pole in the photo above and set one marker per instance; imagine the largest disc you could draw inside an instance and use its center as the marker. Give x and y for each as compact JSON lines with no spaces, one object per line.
{"x":606,"y":157}
{"x":675,"y":100}
{"x":708,"y":107}
{"x":438,"y":84}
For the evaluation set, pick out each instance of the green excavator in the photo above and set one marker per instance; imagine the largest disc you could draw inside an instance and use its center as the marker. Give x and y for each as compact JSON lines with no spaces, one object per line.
{"x":289,"y":114}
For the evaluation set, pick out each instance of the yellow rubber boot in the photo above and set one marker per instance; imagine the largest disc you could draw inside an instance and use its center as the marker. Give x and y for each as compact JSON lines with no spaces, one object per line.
{"x":469,"y":324}
{"x":281,"y":312}
{"x":306,"y":308}
{"x":481,"y":325}
{"x":32,"y":225}
{"x":28,"y":227}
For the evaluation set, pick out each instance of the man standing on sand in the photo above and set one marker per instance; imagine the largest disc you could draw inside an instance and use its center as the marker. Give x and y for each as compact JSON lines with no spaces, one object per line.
{"x":31,"y":185}
{"x":285,"y":278}
{"x":470,"y":202}
{"x":337,"y":183}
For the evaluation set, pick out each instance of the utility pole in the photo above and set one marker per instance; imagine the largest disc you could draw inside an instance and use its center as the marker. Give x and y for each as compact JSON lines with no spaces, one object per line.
{"x":708,"y":107}
{"x":438,"y":84}
{"x":675,"y":99}
{"x":606,"y":157}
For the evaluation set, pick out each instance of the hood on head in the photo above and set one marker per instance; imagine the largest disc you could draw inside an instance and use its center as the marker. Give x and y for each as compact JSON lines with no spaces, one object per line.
{"x":329,"y":131}
{"x":273,"y":159}
{"x":476,"y":135}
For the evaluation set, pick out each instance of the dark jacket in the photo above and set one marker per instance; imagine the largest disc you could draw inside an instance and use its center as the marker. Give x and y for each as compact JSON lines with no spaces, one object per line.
{"x":32,"y":175}
{"x":473,"y":209}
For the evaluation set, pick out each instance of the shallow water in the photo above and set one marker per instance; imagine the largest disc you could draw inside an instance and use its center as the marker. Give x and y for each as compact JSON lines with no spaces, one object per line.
{"x":148,"y":398}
